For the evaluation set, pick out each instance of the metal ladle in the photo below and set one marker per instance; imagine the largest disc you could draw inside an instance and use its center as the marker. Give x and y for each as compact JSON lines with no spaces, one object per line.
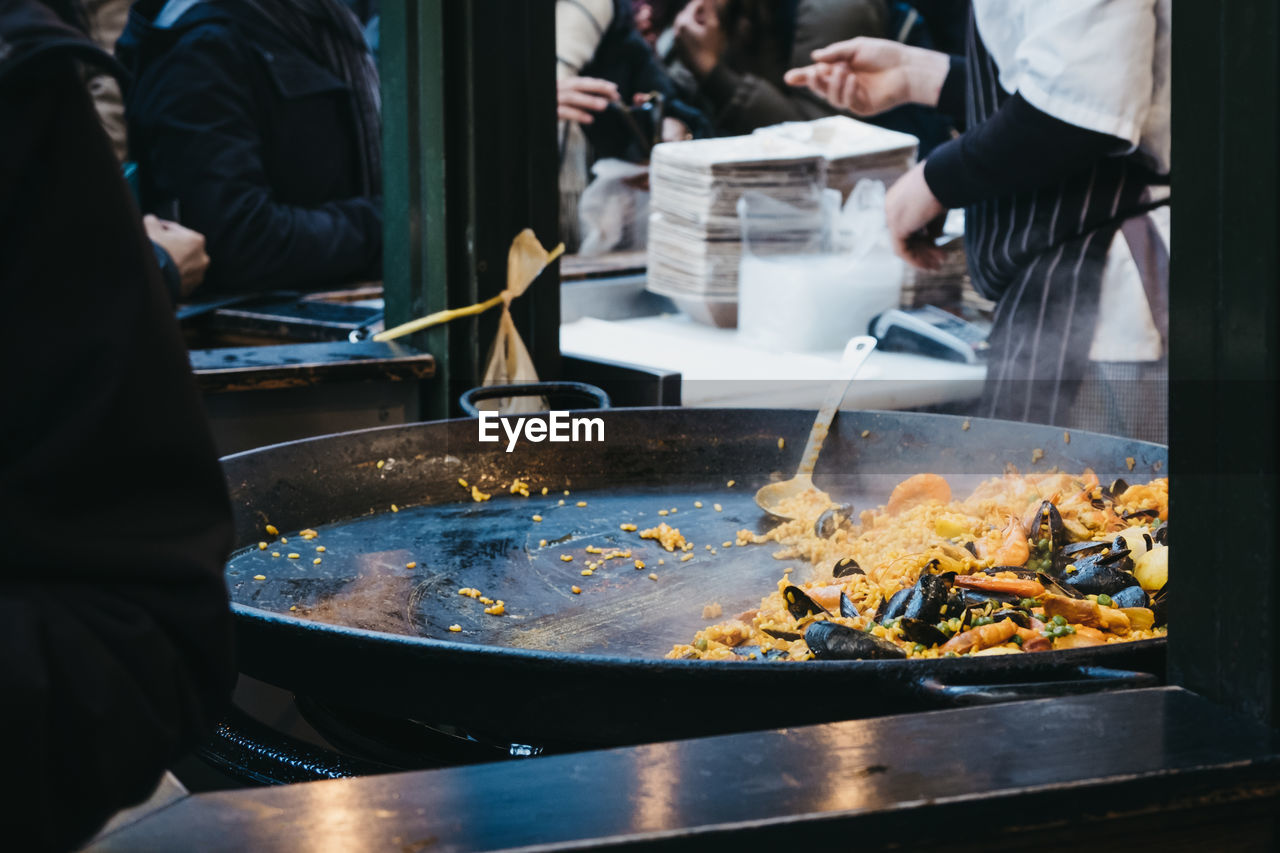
{"x":770,"y":498}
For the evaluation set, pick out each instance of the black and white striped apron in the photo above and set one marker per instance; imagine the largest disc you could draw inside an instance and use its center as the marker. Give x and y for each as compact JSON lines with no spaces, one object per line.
{"x":1041,"y":256}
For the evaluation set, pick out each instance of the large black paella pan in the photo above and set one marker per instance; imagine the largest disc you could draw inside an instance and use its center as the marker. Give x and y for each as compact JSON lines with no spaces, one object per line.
{"x":375,"y":619}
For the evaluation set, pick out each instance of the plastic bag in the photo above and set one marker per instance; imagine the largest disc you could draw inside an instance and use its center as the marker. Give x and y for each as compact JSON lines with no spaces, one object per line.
{"x":813,"y":276}
{"x":613,"y":211}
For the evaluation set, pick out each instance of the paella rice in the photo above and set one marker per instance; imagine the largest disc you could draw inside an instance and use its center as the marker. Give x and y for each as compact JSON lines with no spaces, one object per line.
{"x":1025,"y":563}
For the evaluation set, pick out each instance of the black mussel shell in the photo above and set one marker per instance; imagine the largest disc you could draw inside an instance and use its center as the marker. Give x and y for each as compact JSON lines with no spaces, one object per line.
{"x":831,"y":641}
{"x":976,"y":598}
{"x":1068,"y":554}
{"x":971,"y":548}
{"x":1047,"y":527}
{"x":956,"y":604}
{"x":847,"y":608}
{"x":1019,"y":617}
{"x":845,"y":567}
{"x":893,"y":607}
{"x":1117,"y":488}
{"x":1131,"y":596}
{"x":799,"y":604}
{"x":927,"y":598}
{"x":921,"y":632}
{"x":1101,"y":573}
{"x":1141,"y":513}
{"x":754,"y":652}
{"x":789,"y":636}
{"x":1161,"y":534}
{"x":832,"y":520}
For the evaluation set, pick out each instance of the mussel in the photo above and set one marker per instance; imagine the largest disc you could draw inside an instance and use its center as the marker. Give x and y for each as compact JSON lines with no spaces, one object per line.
{"x":832,"y":520}
{"x":1161,"y":534}
{"x":799,"y":604}
{"x":778,"y":634}
{"x":1046,"y":526}
{"x":923,"y":601}
{"x":1097,"y":574}
{"x":847,"y":608}
{"x":891,"y":607}
{"x":831,"y":641}
{"x":1131,"y":596}
{"x":845,"y":567}
{"x":921,"y":632}
{"x":1019,"y":617}
{"x":1068,"y":554}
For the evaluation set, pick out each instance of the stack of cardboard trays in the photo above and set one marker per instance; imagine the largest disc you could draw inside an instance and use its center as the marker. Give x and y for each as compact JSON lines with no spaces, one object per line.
{"x":695,"y":238}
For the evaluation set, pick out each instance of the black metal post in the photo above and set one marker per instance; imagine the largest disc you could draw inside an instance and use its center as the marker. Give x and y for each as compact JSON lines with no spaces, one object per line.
{"x":501,"y":169}
{"x":1224,"y":420}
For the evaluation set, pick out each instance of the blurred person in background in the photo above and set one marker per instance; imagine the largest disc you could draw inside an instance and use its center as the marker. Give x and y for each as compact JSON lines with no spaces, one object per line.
{"x":115,"y":632}
{"x":1061,"y":172}
{"x":257,"y":123}
{"x":179,"y":251}
{"x":734,"y":55}
{"x":605,"y":71}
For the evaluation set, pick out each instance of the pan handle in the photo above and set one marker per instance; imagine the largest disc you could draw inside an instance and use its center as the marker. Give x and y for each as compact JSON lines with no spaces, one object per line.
{"x":1083,"y":679}
{"x":597,"y":398}
{"x":255,"y":754}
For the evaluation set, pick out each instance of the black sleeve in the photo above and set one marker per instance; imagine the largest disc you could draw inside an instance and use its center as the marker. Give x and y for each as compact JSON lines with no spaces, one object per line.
{"x":168,"y":272}
{"x":194,"y":110}
{"x":951,"y":98}
{"x":114,"y":623}
{"x":1018,"y":149}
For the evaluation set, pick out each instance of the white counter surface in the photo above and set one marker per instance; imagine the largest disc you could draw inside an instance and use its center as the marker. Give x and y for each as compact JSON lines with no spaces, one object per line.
{"x":719,"y":368}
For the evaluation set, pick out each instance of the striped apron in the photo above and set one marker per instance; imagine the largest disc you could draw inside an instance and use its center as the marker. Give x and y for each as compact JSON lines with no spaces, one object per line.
{"x":1040,"y":255}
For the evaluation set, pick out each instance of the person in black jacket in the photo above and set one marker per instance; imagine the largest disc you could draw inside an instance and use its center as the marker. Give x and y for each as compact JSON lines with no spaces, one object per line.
{"x":256,"y":122}
{"x":115,"y":634}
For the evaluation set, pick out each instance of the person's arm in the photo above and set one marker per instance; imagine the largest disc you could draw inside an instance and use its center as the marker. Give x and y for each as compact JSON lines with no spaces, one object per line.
{"x":745,"y":101}
{"x":115,"y":518}
{"x":195,"y":136}
{"x":1018,"y":148}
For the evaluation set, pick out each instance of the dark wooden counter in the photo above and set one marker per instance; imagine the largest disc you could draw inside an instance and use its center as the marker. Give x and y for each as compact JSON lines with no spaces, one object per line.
{"x":1122,"y":771}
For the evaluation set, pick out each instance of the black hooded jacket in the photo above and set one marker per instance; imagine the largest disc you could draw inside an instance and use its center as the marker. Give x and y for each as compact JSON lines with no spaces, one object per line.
{"x":240,"y":135}
{"x":115,"y":635}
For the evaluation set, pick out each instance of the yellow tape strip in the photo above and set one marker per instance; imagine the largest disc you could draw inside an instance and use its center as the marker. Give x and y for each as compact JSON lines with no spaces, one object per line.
{"x":454,"y":313}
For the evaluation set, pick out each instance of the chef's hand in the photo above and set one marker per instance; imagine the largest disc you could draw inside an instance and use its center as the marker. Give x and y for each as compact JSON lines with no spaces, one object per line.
{"x":185,"y":246}
{"x":915,"y":220}
{"x":580,"y":98}
{"x":868,"y":75}
{"x":698,"y":33}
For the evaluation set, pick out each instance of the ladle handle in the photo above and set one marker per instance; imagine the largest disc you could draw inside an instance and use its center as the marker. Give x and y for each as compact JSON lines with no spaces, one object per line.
{"x":855,"y":353}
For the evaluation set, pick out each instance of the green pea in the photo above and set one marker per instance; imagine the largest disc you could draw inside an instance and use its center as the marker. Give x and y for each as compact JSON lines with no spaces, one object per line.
{"x":1027,"y":603}
{"x":1059,"y":619}
{"x":701,"y":644}
{"x":1104,"y":600}
{"x":918,"y":648}
{"x":1017,"y":639}
{"x":1068,"y":629}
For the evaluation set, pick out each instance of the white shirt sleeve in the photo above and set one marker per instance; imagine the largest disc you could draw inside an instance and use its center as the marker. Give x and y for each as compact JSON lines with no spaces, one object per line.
{"x":1102,"y":65}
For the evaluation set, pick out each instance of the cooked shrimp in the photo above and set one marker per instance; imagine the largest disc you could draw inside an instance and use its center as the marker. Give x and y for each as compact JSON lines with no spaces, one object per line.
{"x":827,"y":597}
{"x":916,"y":490}
{"x":1013,"y":548}
{"x":982,"y":637}
{"x":1012,"y":586}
